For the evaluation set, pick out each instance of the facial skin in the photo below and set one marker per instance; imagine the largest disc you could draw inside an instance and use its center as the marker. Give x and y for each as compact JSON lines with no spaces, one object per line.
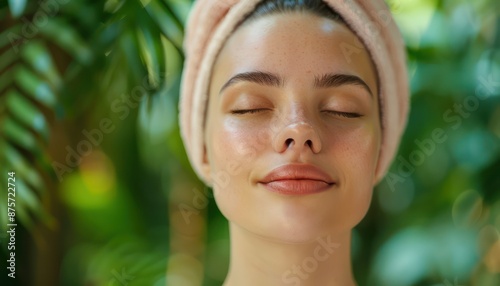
{"x":255,"y":127}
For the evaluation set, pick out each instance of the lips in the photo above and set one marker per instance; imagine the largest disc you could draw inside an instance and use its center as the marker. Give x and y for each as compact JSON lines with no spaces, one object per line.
{"x":297,"y":179}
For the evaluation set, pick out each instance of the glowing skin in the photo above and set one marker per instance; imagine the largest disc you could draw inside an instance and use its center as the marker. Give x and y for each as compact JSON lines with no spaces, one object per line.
{"x":296,"y":118}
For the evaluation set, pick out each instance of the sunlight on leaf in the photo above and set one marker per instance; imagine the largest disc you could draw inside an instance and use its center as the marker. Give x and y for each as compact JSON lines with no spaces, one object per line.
{"x":19,"y":135}
{"x":35,"y":87}
{"x":166,"y":21}
{"x":67,"y":38}
{"x":152,"y":54}
{"x":27,"y":113}
{"x":17,"y":7}
{"x":24,"y":168}
{"x":36,"y":54}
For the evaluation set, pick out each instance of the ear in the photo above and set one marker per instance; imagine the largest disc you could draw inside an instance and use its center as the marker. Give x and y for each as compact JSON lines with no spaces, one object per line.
{"x":205,"y":166}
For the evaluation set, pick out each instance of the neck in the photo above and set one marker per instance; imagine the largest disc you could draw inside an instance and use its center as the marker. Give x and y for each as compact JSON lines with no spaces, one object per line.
{"x":259,"y":261}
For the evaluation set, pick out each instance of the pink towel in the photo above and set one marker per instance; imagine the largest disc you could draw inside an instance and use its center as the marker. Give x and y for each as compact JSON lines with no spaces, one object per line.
{"x":212,"y":21}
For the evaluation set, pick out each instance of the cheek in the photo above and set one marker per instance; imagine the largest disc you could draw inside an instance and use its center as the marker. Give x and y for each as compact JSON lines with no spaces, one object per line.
{"x":358,"y":148}
{"x":232,"y":149}
{"x":355,"y":154}
{"x":361,"y":149}
{"x":239,"y":141}
{"x":358,"y":156}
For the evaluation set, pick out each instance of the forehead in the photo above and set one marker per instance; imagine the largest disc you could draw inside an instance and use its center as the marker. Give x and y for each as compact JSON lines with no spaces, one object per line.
{"x":292,"y":44}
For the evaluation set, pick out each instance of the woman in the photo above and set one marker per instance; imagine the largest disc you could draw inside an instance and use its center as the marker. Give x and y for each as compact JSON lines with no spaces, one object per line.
{"x":292,"y":112}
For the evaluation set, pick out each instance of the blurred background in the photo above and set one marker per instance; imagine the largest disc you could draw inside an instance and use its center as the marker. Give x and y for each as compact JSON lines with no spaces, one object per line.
{"x":105,"y":194}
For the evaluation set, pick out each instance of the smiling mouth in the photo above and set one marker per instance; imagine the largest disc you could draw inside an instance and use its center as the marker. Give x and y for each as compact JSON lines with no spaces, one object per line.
{"x":297,"y":179}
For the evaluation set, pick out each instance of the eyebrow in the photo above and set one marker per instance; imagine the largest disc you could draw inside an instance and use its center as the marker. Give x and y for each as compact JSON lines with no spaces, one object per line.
{"x":262,"y":78}
{"x":270,"y":79}
{"x":335,"y":80}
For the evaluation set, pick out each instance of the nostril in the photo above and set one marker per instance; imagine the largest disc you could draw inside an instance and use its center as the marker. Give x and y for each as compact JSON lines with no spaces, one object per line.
{"x":309,"y":143}
{"x":297,"y":136}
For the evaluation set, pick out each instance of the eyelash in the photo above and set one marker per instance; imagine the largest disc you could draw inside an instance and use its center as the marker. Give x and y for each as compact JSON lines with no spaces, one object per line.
{"x":247,"y":111}
{"x":343,"y":114}
{"x":333,"y":112}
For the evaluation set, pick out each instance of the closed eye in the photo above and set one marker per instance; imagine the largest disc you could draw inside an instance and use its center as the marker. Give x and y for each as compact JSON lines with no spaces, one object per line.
{"x":248,"y":111}
{"x":343,"y":114}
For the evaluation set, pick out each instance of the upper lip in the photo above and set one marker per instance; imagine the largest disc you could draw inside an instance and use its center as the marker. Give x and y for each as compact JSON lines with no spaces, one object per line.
{"x":297,"y":172}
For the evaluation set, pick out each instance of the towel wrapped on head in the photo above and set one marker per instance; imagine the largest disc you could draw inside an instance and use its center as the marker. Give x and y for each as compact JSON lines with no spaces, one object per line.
{"x":212,"y":21}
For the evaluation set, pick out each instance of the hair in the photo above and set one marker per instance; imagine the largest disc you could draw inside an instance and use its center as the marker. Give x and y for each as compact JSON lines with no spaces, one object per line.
{"x":271,"y":7}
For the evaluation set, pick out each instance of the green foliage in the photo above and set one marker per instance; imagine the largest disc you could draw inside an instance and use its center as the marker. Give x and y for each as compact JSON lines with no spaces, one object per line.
{"x":58,"y":60}
{"x":27,"y":92}
{"x":34,"y":88}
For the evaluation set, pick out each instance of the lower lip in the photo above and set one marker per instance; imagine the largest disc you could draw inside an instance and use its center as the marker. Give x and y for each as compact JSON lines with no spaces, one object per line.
{"x":297,"y":187}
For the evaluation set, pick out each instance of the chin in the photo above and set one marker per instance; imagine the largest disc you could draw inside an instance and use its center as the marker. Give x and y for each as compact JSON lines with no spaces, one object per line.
{"x":300,"y":219}
{"x":299,"y":228}
{"x":310,"y":231}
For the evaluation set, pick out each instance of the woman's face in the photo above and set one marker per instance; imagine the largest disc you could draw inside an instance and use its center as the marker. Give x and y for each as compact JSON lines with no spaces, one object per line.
{"x":293,"y":133}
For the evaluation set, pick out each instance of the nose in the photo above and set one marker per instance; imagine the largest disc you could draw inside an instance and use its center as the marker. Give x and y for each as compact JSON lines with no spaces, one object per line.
{"x":297,"y":136}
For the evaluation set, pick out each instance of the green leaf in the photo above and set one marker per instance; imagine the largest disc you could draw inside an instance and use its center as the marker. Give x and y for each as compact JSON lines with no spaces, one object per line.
{"x":27,"y":113}
{"x":152,"y":55}
{"x":37,"y":55}
{"x":166,"y":21}
{"x":64,"y":35}
{"x":7,"y":58}
{"x":35,"y":87}
{"x":19,"y":164}
{"x":26,"y":196}
{"x":28,"y":205}
{"x":130,"y":45}
{"x":17,"y":7}
{"x":25,"y":200}
{"x":10,"y":36}
{"x":7,"y":77}
{"x":19,"y":135}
